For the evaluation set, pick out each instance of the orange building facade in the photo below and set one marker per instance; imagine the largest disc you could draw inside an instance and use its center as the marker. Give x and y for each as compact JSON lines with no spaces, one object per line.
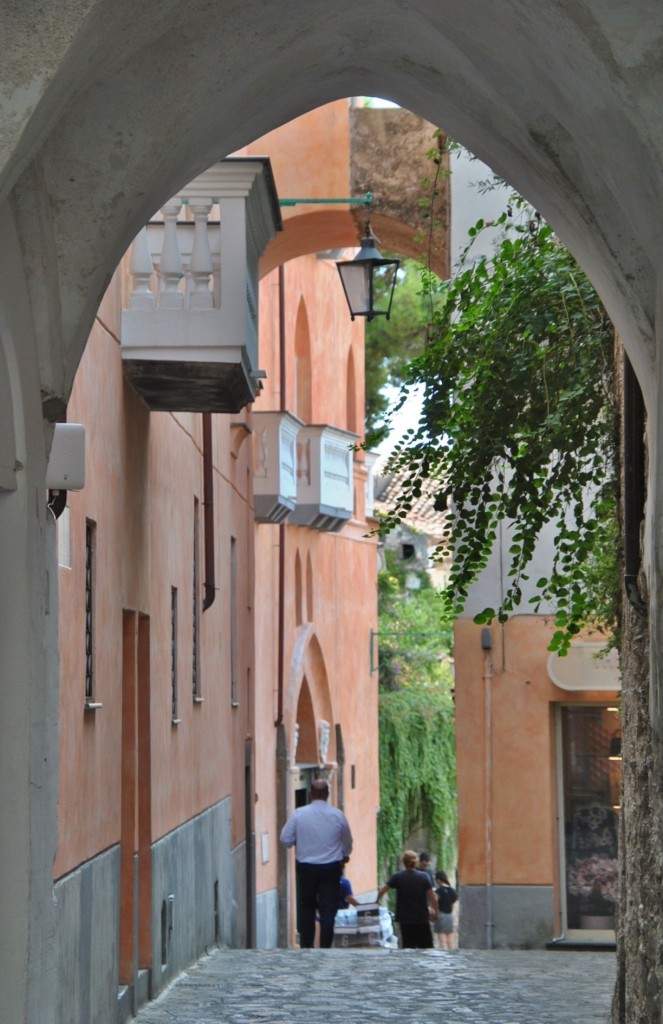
{"x":214,"y":629}
{"x":539,"y":776}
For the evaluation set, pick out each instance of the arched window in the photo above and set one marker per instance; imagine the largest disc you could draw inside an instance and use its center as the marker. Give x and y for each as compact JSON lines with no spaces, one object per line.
{"x":299,"y":603}
{"x":351,"y":417}
{"x":303,"y":365}
{"x":309,"y":588}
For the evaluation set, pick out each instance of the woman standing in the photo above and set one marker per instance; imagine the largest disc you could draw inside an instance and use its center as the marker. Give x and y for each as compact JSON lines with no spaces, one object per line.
{"x":415,"y":901}
{"x":446,"y":897}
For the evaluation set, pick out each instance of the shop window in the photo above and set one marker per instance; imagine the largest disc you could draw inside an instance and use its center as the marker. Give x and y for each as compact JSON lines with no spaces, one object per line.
{"x":590,"y":797}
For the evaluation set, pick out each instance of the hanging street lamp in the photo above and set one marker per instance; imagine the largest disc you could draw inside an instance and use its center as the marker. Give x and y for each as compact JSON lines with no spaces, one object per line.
{"x":358,"y":275}
{"x":358,"y":280}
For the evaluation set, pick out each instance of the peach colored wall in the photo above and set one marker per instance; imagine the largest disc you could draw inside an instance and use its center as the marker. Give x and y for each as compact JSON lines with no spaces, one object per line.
{"x":310,"y":156}
{"x":143,"y":471}
{"x":523,"y":790}
{"x":334,"y":645}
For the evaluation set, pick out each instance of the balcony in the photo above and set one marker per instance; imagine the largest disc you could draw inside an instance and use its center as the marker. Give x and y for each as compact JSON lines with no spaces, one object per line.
{"x":325,"y":496}
{"x":275,"y":465}
{"x":190,"y":334}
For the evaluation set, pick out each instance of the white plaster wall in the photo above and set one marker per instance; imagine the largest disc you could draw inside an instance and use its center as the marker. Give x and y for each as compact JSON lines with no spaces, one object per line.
{"x":468,"y":204}
{"x":28,"y":674}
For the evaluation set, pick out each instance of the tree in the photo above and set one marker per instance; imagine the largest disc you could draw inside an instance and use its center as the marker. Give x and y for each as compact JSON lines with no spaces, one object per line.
{"x":519,"y":426}
{"x":391,"y":344}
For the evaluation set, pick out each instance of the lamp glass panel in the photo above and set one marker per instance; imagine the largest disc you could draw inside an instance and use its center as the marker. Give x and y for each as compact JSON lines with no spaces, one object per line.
{"x":356,"y":279}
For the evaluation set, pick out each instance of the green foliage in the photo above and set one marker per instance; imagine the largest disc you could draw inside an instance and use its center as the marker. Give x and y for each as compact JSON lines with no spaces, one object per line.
{"x":417,"y":745}
{"x":391,"y":344}
{"x":518,"y":426}
{"x":413,"y":638}
{"x":417,"y":772}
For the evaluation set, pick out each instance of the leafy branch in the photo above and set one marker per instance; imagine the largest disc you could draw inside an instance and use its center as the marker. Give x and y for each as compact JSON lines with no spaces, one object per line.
{"x":518,"y":427}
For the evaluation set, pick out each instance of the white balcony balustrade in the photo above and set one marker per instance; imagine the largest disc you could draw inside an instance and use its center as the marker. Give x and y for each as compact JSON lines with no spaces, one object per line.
{"x":275,"y":465}
{"x":190,"y":334}
{"x":325,"y":494}
{"x":370,"y":459}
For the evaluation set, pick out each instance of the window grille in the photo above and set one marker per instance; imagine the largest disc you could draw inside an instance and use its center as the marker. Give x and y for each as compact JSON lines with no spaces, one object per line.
{"x":173,"y":654}
{"x":89,"y":610}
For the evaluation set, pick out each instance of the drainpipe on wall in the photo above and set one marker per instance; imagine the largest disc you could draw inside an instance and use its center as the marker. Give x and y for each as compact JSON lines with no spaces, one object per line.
{"x":486,"y":646}
{"x":208,"y":512}
{"x":281,"y":582}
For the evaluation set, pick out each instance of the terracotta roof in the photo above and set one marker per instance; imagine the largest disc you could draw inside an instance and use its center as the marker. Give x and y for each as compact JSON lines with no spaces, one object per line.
{"x":423,"y":516}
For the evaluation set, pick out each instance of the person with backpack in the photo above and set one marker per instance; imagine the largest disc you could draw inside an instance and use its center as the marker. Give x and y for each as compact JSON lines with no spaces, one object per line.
{"x":446,"y":897}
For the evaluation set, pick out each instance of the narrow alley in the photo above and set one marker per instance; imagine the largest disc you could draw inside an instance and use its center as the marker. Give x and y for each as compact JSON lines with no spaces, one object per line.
{"x":415,"y":987}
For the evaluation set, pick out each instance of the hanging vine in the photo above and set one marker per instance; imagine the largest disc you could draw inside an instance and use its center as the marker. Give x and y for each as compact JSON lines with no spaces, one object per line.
{"x":417,"y":773}
{"x":518,"y":428}
{"x":416,"y":718}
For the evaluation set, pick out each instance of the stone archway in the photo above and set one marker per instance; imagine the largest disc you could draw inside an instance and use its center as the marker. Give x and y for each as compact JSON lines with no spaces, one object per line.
{"x":108,"y":108}
{"x":87,"y":164}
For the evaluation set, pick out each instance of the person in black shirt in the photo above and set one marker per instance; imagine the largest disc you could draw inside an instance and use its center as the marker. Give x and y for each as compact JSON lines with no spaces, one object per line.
{"x":446,"y":897}
{"x":415,"y":902}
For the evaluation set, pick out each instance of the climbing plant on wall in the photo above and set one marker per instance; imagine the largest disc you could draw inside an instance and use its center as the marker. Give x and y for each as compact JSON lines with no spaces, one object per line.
{"x":416,"y":720}
{"x":417,"y":773}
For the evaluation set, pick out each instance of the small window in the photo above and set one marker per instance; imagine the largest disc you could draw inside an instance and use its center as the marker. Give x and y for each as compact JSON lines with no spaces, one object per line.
{"x":90,"y":585}
{"x":234,"y":672}
{"x":173,"y":655}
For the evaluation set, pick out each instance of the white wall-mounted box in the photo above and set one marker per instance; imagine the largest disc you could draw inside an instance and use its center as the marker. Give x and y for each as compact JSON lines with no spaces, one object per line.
{"x":66,"y":465}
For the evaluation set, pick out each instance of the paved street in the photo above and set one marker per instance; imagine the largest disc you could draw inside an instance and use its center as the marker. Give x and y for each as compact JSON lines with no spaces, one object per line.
{"x":390,"y":987}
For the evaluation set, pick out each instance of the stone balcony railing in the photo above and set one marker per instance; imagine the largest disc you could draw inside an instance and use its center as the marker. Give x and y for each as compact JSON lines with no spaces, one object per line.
{"x":190,"y":334}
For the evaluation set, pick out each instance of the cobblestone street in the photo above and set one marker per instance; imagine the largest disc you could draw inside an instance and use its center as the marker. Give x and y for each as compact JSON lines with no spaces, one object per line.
{"x":404,"y":987}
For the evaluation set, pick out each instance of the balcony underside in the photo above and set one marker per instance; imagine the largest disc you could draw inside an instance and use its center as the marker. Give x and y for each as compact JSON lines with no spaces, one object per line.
{"x":272,"y":508}
{"x":168,"y":385}
{"x":319,"y":517}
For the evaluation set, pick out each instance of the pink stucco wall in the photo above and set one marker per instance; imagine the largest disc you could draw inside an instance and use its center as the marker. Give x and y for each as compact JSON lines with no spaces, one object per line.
{"x":143,"y":471}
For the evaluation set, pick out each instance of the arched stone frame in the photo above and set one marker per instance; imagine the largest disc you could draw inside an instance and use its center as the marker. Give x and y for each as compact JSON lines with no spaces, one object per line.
{"x":83,"y":160}
{"x":81,"y":119}
{"x":325,"y":230}
{"x":308,"y":692}
{"x":307,"y":704}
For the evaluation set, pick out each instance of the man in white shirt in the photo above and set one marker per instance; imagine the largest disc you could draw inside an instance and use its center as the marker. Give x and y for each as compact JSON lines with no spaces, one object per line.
{"x":323,"y":843}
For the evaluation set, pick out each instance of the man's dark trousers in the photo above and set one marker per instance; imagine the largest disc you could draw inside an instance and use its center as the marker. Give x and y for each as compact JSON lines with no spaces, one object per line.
{"x":319,"y":886}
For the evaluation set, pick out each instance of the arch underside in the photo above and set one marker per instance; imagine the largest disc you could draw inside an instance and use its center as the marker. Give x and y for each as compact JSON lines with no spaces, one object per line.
{"x":561,"y":99}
